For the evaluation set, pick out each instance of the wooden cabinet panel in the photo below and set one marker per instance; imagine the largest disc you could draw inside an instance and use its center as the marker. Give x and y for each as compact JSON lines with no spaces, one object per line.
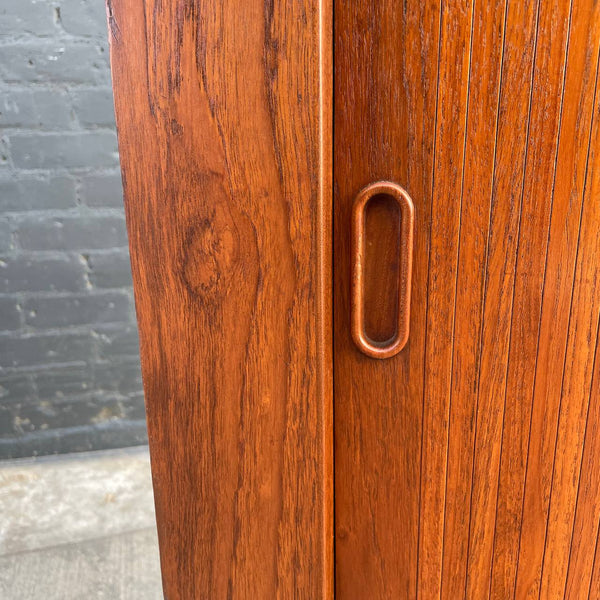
{"x":224,"y":118}
{"x":384,"y":107}
{"x":465,"y":465}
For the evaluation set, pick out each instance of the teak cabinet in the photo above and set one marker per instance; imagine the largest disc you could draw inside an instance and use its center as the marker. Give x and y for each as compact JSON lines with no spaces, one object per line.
{"x":365,"y":241}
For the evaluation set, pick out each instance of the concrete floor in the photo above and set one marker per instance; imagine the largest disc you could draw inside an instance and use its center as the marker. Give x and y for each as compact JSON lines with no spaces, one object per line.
{"x":78,"y":526}
{"x":120,"y":567}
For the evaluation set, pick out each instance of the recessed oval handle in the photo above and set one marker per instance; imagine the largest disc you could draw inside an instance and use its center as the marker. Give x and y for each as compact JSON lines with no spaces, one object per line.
{"x":382,"y":248}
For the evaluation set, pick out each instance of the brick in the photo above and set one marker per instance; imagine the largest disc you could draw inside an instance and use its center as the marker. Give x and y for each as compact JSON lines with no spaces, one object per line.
{"x":4,"y":154}
{"x":110,"y":270}
{"x":7,"y":421}
{"x":42,"y":109}
{"x":26,"y":274}
{"x":17,"y":388}
{"x":104,"y":407}
{"x":112,"y":307}
{"x":48,"y":349}
{"x":119,"y":434}
{"x":10,"y":314}
{"x":54,"y":61}
{"x":124,"y":377}
{"x":118,"y":344}
{"x":113,"y":434}
{"x":92,"y":409}
{"x":6,"y":242}
{"x":17,"y":109}
{"x":60,"y":382}
{"x":102,"y":190}
{"x":71,"y":233}
{"x":94,"y":108}
{"x":27,"y":16}
{"x":68,"y":150}
{"x":37,"y":193}
{"x":83,"y":17}
{"x":135,"y":407}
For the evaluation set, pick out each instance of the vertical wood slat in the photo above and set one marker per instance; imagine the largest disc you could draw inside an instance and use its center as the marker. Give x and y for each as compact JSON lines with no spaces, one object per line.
{"x":542,"y":148}
{"x":384,"y":127}
{"x":224,"y":119}
{"x":505,"y":223}
{"x":454,"y":70}
{"x":584,"y":529}
{"x":576,"y":385}
{"x":499,"y":525}
{"x":594,"y":591}
{"x":557,"y":301}
{"x":487,"y":59}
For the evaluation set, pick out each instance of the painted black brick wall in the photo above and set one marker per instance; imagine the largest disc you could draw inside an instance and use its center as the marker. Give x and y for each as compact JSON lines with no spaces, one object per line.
{"x":69,"y":363}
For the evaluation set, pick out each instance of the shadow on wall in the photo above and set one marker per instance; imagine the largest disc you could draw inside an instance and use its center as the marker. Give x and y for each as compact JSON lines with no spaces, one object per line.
{"x":69,"y":364}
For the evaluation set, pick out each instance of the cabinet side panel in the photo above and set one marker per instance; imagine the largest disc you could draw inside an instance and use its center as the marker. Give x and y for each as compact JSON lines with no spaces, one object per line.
{"x":224,"y":119}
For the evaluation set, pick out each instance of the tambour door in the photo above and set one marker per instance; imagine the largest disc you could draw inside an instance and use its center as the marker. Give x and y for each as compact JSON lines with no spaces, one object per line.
{"x":467,"y":464}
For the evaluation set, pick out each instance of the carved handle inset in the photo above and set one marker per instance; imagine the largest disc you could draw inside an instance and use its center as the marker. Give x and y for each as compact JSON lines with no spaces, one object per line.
{"x":382,"y":248}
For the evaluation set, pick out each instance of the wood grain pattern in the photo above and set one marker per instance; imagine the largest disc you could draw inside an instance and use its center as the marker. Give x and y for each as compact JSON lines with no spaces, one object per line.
{"x":224,"y":118}
{"x":489,"y":62}
{"x":516,"y":108}
{"x":555,"y":323}
{"x":456,"y":36}
{"x":586,"y":501}
{"x":542,"y":142}
{"x":484,"y":112}
{"x":594,"y":591}
{"x":384,"y":130}
{"x":582,"y":69}
{"x":466,"y":465}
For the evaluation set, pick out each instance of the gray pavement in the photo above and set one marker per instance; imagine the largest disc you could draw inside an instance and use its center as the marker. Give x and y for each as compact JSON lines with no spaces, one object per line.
{"x":79,"y":526}
{"x":120,"y":567}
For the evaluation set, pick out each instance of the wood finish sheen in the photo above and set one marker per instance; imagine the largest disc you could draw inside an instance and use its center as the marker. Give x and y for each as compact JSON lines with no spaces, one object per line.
{"x":467,"y":464}
{"x":224,"y":119}
{"x":384,"y":106}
